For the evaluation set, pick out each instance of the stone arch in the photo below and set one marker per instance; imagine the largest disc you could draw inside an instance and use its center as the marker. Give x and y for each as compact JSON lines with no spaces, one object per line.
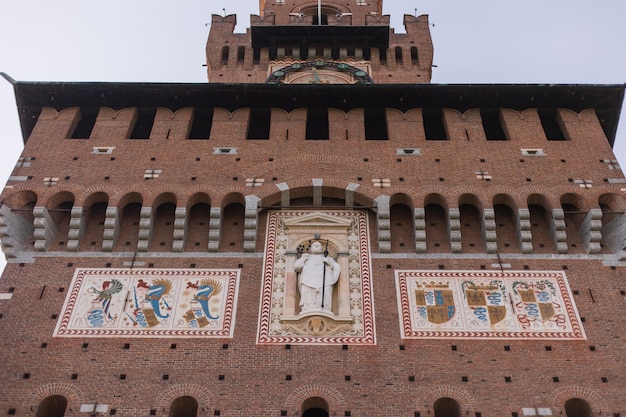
{"x":465,"y":399}
{"x":199,"y":392}
{"x":506,"y":200}
{"x":561,"y":395}
{"x":21,"y":199}
{"x":331,"y":188}
{"x":131,"y":197}
{"x":613,"y":201}
{"x":164,"y":197}
{"x":59,"y":198}
{"x":436,"y":198}
{"x":72,"y":394}
{"x":539,"y":200}
{"x":471,"y":199}
{"x":334,"y":399}
{"x":95,"y":197}
{"x":199,"y":197}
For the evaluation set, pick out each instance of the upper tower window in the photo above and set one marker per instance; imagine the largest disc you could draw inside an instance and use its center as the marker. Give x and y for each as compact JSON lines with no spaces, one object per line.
{"x":325,"y":11}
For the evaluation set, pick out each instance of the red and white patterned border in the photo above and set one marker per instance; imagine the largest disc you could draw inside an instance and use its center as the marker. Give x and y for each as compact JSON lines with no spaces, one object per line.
{"x":570,"y":329}
{"x":64,"y":327}
{"x":366,"y":335}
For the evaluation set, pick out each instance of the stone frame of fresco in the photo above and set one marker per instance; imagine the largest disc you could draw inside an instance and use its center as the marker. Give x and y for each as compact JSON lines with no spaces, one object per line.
{"x":351,"y":319}
{"x":487,"y":305}
{"x":152,"y":302}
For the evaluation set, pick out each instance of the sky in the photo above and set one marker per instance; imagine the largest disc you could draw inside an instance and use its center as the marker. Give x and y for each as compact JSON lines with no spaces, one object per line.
{"x":476,"y":42}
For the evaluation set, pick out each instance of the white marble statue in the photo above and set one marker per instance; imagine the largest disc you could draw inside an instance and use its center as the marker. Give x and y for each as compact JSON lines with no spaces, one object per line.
{"x":318,"y":274}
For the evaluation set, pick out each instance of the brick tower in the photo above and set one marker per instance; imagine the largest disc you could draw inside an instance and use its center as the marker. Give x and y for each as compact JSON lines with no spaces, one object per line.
{"x":318,"y":231}
{"x":349,"y":38}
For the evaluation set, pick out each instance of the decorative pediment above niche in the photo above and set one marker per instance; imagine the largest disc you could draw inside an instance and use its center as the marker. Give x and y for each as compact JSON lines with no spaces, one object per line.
{"x":318,"y":219}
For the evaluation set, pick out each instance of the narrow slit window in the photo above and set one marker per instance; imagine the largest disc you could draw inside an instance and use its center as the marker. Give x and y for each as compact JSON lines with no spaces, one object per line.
{"x":241,"y":55}
{"x":414,"y":56}
{"x":225,"y":53}
{"x":382,"y":53}
{"x":398,"y":55}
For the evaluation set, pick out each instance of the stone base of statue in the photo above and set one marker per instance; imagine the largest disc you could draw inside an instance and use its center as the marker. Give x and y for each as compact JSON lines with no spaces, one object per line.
{"x":317,"y":322}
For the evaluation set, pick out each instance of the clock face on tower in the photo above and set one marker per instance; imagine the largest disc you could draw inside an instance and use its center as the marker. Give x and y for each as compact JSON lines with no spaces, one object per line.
{"x":320,"y":72}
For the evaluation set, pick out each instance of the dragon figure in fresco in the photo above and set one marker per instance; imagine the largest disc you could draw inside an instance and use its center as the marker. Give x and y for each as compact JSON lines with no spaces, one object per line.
{"x":205,"y":290}
{"x":155,"y":292}
{"x":104,"y":296}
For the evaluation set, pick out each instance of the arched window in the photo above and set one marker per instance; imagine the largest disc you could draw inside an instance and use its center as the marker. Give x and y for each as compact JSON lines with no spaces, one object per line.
{"x":382,"y":54}
{"x":315,"y":407}
{"x":52,"y":406}
{"x":575,"y":407}
{"x":225,"y":53}
{"x":447,"y":407}
{"x":398,"y":56}
{"x":414,"y":56}
{"x":241,"y":55}
{"x":184,"y":407}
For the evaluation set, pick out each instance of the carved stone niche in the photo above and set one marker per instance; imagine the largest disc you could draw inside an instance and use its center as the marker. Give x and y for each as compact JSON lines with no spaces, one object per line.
{"x":333,"y":233}
{"x":348,"y":317}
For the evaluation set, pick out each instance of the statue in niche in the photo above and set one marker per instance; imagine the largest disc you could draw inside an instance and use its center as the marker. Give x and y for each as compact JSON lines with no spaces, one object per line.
{"x":318,"y":273}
